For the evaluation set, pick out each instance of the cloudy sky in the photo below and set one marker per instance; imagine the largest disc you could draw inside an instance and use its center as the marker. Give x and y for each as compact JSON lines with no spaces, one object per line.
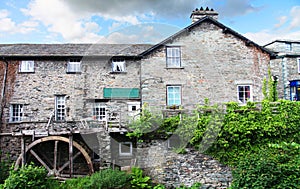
{"x":140,"y":21}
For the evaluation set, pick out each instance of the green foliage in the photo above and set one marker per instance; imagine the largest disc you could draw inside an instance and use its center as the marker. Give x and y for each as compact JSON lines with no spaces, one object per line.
{"x":196,"y":185}
{"x":146,"y":123}
{"x":4,"y":169}
{"x":138,"y":180}
{"x":30,"y":177}
{"x":159,"y":186}
{"x":103,"y":179}
{"x":277,"y":166}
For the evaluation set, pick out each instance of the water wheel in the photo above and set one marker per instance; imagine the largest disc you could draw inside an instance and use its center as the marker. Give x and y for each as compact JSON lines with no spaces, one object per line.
{"x":61,"y":156}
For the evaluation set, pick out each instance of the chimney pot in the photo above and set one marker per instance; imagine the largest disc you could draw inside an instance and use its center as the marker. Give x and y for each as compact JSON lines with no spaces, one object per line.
{"x":197,"y":14}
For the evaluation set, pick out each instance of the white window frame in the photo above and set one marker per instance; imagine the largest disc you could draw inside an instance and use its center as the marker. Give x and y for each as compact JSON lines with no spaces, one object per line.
{"x":98,"y":112}
{"x":122,"y":145}
{"x":173,"y":94}
{"x":26,"y":66}
{"x":118,"y":65}
{"x":245,"y":99}
{"x":60,"y":108}
{"x":298,"y":62}
{"x":173,"y":56}
{"x":74,"y":65}
{"x":16,"y":112}
{"x":288,"y":46}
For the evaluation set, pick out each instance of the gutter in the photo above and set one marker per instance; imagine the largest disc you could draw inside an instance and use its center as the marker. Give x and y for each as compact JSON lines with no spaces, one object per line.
{"x":3,"y":90}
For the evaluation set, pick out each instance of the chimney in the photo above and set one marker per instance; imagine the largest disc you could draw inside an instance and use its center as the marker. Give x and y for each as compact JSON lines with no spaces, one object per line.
{"x":197,"y":14}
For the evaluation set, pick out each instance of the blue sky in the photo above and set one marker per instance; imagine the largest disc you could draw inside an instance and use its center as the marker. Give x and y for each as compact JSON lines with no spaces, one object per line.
{"x":140,"y":21}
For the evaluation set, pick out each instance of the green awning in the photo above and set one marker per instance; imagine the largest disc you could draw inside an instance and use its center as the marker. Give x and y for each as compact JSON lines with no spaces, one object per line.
{"x":121,"y":93}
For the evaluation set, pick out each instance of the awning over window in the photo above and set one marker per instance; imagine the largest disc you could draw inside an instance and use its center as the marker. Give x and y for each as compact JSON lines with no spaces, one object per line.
{"x":294,"y":83}
{"x":121,"y":93}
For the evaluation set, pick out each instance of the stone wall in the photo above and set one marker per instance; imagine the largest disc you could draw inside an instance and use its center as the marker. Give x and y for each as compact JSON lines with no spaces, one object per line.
{"x":213,"y":63}
{"x":172,"y":169}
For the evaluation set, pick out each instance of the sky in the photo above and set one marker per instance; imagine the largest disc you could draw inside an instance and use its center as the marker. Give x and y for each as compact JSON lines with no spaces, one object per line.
{"x":140,"y":21}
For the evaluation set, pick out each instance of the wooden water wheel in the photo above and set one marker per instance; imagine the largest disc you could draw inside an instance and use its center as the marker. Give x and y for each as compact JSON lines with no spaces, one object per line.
{"x":61,"y":156}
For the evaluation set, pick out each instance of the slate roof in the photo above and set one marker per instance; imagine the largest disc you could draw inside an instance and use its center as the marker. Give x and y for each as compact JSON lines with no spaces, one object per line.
{"x":208,"y":19}
{"x":282,"y":41}
{"x":66,"y":50}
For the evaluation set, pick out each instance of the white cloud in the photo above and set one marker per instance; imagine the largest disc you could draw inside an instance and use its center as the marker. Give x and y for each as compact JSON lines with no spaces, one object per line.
{"x":295,"y":15}
{"x":282,"y":20}
{"x":58,"y":18}
{"x":116,"y":9}
{"x":11,"y":27}
{"x":286,"y":29}
{"x":230,"y":8}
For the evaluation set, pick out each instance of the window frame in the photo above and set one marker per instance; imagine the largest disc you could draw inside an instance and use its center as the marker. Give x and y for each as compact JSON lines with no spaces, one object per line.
{"x":298,"y":63}
{"x":172,"y":57}
{"x":118,"y":65}
{"x":26,"y":66}
{"x":180,"y":93}
{"x":60,"y":112}
{"x":121,"y":144}
{"x":245,"y":100}
{"x":74,"y":63}
{"x":16,"y":116}
{"x":99,"y":117}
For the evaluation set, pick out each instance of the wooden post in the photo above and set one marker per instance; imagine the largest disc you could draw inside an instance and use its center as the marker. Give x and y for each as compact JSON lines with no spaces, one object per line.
{"x":23,"y":150}
{"x":71,"y":154}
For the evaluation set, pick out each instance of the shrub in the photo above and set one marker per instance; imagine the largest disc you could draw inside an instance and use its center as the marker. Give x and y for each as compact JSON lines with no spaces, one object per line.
{"x":4,"y":169}
{"x":275,"y":167}
{"x":29,"y":176}
{"x":138,"y":180}
{"x":103,"y":179}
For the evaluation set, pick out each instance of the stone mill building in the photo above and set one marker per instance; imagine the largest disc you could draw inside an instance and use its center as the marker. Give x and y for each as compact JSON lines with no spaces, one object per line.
{"x":67,"y":106}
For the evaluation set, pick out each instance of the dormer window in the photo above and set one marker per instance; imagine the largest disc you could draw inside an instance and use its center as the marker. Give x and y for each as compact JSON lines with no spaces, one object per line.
{"x":26,"y":66}
{"x":173,"y":56}
{"x":74,"y":65}
{"x":288,"y":46}
{"x":118,"y":65}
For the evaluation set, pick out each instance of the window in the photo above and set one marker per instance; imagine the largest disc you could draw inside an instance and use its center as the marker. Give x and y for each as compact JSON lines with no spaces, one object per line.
{"x":60,"y":108}
{"x":173,"y":57}
{"x":118,"y":65}
{"x":173,"y":95}
{"x":26,"y":66}
{"x":125,"y":148}
{"x":99,"y":111}
{"x":295,"y":90}
{"x":16,"y":112}
{"x":298,"y":62}
{"x":244,"y":93}
{"x":74,"y":65}
{"x":288,"y":46}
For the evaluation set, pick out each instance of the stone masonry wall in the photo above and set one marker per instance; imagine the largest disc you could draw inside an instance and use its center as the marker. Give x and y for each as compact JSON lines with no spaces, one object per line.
{"x":172,"y":169}
{"x":213,"y":64}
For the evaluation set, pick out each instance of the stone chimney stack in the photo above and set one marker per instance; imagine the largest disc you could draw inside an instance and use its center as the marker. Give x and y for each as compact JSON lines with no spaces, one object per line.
{"x":197,"y":14}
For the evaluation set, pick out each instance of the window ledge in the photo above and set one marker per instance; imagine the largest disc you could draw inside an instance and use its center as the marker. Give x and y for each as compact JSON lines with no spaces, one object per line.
{"x":73,"y":72}
{"x":26,"y":72}
{"x":174,"y":68}
{"x":118,"y":72}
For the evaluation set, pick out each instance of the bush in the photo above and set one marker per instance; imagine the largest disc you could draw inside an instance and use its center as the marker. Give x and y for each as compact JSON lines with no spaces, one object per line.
{"x":29,"y":176}
{"x":4,"y":170}
{"x":275,"y":167}
{"x":103,"y":179}
{"x":138,"y":180}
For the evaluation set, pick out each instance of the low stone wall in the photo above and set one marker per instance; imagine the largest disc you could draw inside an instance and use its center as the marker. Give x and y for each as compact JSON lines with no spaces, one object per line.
{"x":172,"y":169}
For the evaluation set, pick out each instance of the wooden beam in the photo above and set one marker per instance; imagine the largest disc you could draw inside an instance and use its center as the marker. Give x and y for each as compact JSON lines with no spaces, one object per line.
{"x":40,"y":160}
{"x":71,"y":154}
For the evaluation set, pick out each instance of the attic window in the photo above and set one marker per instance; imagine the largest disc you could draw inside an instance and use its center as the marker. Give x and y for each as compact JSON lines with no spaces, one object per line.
{"x":118,"y":65}
{"x":173,"y":57}
{"x":26,"y":66}
{"x":74,"y":65}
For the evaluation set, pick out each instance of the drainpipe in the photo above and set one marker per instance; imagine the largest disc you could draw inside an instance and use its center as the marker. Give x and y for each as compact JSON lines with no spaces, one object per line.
{"x":3,"y":90}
